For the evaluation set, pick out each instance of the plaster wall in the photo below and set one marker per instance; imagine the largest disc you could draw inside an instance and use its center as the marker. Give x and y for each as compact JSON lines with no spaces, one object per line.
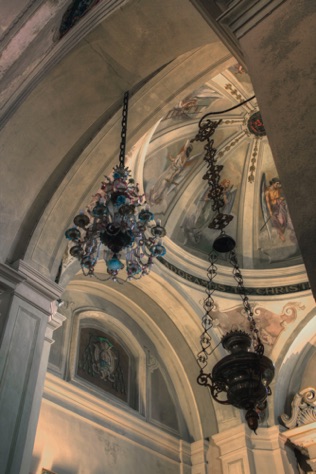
{"x":67,"y":443}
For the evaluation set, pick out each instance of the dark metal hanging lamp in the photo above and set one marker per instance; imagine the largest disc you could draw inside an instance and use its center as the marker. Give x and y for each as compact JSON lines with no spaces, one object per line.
{"x":242,"y":378}
{"x":118,"y":223}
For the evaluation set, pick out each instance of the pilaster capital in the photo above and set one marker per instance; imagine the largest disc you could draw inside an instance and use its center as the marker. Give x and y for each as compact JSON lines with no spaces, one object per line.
{"x":30,"y":285}
{"x":55,"y":321}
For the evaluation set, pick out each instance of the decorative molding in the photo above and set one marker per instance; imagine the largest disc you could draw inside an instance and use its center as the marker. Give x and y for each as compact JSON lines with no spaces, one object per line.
{"x":234,"y":92}
{"x":31,"y":286}
{"x":260,"y":291}
{"x":28,"y":9}
{"x":55,"y":52}
{"x":243,"y":15}
{"x":55,"y":321}
{"x":230,"y":145}
{"x":303,"y":439}
{"x":124,"y":422}
{"x":234,"y":19}
{"x":303,"y":408}
{"x":253,"y":160}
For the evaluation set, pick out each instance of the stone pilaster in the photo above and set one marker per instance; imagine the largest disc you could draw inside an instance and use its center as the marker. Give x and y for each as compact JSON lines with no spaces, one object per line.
{"x":266,"y":451}
{"x":28,"y":319}
{"x":234,"y":452}
{"x":198,"y":456}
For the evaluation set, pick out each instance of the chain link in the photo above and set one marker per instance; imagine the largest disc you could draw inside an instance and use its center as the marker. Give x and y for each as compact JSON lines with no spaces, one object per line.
{"x":207,"y":128}
{"x":258,"y":346}
{"x":207,"y":319}
{"x":124,"y":131}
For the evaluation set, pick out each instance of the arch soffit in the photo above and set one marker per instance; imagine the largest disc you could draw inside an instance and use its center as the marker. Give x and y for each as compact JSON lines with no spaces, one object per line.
{"x":169,"y":338}
{"x":147,"y":106}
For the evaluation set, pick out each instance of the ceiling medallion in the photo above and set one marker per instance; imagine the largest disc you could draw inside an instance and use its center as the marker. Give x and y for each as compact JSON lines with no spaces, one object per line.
{"x":255,"y":125}
{"x":119,"y":223}
{"x":242,"y":378}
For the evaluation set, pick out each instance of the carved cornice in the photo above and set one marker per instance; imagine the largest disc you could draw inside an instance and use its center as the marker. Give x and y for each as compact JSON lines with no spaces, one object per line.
{"x":231,"y":20}
{"x":303,"y":409}
{"x":243,"y":15}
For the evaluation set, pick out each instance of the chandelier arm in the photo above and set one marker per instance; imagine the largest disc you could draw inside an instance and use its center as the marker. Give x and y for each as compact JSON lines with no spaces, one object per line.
{"x":123,"y":131}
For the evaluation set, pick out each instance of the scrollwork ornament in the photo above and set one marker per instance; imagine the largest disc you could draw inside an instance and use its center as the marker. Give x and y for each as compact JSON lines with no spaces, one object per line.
{"x":217,"y":389}
{"x":303,"y":408}
{"x":204,"y":379}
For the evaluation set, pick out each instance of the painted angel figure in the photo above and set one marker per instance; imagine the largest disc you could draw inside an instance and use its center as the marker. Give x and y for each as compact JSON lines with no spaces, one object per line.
{"x":169,"y":178}
{"x":193,"y":104}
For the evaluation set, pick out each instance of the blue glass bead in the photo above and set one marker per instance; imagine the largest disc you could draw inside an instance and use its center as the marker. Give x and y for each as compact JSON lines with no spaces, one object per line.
{"x":114,"y":264}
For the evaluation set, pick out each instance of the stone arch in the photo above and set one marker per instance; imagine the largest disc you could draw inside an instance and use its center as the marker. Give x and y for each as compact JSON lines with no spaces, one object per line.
{"x":172,"y":335}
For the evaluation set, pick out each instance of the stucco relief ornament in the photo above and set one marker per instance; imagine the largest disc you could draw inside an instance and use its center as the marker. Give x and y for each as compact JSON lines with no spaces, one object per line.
{"x":303,"y":409}
{"x":270,"y":325}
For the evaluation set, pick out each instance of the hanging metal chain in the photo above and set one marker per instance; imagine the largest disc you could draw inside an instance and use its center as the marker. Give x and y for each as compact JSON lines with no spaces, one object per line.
{"x":124,"y":131}
{"x":258,"y":346}
{"x":207,"y":319}
{"x":207,"y":128}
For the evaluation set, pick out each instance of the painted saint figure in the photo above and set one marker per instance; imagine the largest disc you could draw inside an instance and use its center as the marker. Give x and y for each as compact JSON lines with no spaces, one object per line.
{"x":277,"y":208}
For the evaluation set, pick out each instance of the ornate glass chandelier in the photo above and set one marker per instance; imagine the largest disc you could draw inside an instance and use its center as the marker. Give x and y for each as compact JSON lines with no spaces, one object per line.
{"x":241,"y":378}
{"x":118,"y":223}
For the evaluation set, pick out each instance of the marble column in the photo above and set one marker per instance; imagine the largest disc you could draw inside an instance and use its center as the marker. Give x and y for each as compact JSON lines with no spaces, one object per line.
{"x":28,"y":318}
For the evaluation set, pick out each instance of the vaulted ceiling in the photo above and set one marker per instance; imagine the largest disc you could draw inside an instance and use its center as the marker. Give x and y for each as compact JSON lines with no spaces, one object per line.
{"x":61,"y":119}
